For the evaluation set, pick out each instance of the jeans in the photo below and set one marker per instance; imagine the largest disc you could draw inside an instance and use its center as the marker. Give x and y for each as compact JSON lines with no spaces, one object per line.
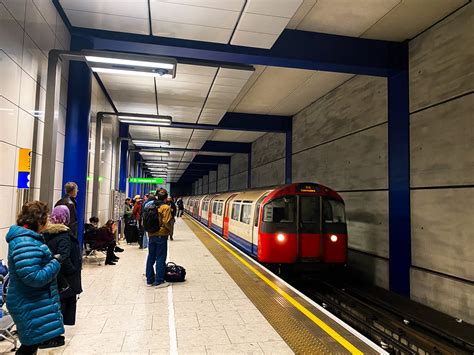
{"x":157,"y":252}
{"x":145,"y":240}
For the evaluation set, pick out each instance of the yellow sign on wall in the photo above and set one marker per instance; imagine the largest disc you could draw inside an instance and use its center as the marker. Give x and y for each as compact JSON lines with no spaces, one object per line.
{"x":24,"y":160}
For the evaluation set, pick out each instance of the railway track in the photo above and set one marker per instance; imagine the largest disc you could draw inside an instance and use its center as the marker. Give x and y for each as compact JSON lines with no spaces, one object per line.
{"x":384,"y":325}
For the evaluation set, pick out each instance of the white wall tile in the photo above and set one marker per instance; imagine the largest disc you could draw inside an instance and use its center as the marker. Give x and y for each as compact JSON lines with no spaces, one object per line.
{"x":11,"y":35}
{"x":62,"y":33}
{"x":60,"y":147}
{"x":48,"y":11}
{"x":26,"y":128}
{"x":33,"y":96}
{"x":6,"y":200}
{"x":34,"y":62}
{"x":17,"y":9}
{"x":8,"y":121}
{"x":7,"y":164}
{"x":35,"y":178}
{"x":38,"y":29}
{"x":10,"y":75}
{"x":58,"y":176}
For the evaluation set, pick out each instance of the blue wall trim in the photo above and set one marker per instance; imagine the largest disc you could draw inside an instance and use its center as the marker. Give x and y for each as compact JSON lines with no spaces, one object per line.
{"x":123,"y":132}
{"x":399,"y":181}
{"x":76,"y":153}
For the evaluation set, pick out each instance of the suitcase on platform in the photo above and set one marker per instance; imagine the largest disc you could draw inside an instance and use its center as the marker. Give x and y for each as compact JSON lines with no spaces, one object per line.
{"x":174,"y":273}
{"x":131,"y":233}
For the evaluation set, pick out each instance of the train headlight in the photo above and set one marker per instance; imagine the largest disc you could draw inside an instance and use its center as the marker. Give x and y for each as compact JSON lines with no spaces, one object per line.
{"x":280,"y":237}
{"x":333,"y":238}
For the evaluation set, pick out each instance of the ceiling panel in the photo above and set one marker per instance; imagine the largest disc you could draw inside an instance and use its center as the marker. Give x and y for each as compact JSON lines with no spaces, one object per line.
{"x":220,"y":154}
{"x":236,"y":136}
{"x":139,"y":8}
{"x":279,"y":8}
{"x":191,"y":32}
{"x":318,"y":85}
{"x":233,"y":5}
{"x":142,"y":132}
{"x":272,"y":86}
{"x":108,"y":22}
{"x":345,"y":17}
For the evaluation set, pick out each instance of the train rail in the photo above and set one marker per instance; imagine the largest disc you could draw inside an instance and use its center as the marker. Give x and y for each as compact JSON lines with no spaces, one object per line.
{"x":380,"y":322}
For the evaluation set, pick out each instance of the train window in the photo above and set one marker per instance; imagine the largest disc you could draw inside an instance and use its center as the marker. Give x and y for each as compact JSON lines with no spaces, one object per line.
{"x":280,"y":210}
{"x":310,"y":209}
{"x":214,"y":207}
{"x":205,"y":205}
{"x":235,"y":211}
{"x":245,"y":217}
{"x":333,"y":211}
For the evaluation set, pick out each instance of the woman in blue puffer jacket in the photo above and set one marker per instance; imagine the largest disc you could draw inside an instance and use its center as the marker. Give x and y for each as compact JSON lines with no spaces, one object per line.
{"x":33,"y":298}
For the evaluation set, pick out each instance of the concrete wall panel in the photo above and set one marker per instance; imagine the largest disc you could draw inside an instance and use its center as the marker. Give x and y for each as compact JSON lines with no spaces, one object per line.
{"x":269,"y":174}
{"x":212,"y":181}
{"x":354,"y":162}
{"x":441,"y":60}
{"x":238,"y":181}
{"x":199,"y":186}
{"x":442,"y":144}
{"x":443,"y":231}
{"x":223,"y":185}
{"x":444,"y":294}
{"x":268,"y":148}
{"x":205,"y":184}
{"x":223,"y":171}
{"x":357,"y":104}
{"x":238,"y":163}
{"x":367,"y":214}
{"x":369,"y":268}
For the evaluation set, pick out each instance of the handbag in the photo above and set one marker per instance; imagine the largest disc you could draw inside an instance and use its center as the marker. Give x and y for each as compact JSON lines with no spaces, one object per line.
{"x":174,"y":273}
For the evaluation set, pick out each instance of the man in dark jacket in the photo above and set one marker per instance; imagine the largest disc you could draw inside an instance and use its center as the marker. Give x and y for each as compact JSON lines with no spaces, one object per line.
{"x":180,"y":205}
{"x":69,"y":200}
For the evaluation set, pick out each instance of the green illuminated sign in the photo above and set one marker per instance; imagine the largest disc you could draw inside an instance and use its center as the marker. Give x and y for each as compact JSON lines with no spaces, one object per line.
{"x":146,"y":180}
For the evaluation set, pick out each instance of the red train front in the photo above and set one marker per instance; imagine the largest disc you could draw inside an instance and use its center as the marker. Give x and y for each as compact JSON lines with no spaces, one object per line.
{"x":290,"y":224}
{"x":302,"y":223}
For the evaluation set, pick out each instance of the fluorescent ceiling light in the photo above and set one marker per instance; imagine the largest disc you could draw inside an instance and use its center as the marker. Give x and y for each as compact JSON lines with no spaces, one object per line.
{"x":121,"y":61}
{"x":150,"y":121}
{"x":129,"y":72}
{"x":156,"y":153}
{"x":152,"y":164}
{"x":150,"y":143}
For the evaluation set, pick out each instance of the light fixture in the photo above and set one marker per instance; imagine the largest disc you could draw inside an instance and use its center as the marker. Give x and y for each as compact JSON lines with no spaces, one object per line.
{"x":333,"y":238}
{"x":150,"y":143}
{"x":146,"y":120}
{"x":280,"y":237}
{"x":156,"y":164}
{"x":130,"y":64}
{"x":156,"y":153}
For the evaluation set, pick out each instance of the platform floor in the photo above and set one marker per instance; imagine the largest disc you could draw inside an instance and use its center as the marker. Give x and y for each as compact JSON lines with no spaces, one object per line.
{"x":208,"y":314}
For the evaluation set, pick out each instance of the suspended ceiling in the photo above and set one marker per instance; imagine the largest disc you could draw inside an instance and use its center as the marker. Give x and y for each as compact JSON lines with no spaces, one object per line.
{"x":203,"y":93}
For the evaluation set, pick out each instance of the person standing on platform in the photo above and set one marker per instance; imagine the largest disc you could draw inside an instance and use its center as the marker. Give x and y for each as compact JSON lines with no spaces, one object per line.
{"x":62,"y":242}
{"x":69,"y":200}
{"x":33,"y":297}
{"x":156,"y":220}
{"x":137,"y":212}
{"x":172,"y":205}
{"x":180,"y":205}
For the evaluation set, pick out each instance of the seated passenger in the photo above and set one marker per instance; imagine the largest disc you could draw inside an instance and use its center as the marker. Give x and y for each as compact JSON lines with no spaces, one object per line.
{"x":90,"y":232}
{"x":106,"y":240}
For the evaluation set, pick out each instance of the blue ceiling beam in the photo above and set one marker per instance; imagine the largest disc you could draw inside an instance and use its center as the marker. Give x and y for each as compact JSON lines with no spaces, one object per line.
{"x":226,"y":147}
{"x":293,"y":49}
{"x":211,"y":159}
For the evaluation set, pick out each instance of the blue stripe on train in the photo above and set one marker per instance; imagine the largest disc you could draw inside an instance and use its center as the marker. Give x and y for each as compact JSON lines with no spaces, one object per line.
{"x":243,"y":244}
{"x":216,"y":228}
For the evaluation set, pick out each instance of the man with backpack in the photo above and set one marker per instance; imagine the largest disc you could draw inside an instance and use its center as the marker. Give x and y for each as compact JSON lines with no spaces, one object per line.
{"x":156,"y":216}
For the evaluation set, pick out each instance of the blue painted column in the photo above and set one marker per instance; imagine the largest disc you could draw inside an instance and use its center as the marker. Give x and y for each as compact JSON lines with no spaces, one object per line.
{"x":76,"y":153}
{"x":399,"y":181}
{"x":123,"y":132}
{"x":288,"y":156}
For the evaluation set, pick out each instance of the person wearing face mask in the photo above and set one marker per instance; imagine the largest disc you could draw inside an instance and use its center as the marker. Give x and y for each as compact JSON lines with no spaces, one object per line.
{"x":69,"y":200}
{"x":33,"y":297}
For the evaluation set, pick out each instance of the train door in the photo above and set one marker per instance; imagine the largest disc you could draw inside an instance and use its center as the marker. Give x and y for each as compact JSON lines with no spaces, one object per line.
{"x":225,"y":230}
{"x":255,"y":224}
{"x":309,"y":228}
{"x":209,"y":213}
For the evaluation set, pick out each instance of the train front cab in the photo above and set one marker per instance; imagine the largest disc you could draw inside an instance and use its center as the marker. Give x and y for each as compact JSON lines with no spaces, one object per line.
{"x":302,"y":223}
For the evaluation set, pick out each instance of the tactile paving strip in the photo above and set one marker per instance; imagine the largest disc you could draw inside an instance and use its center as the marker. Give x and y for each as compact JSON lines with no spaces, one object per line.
{"x":299,"y":332}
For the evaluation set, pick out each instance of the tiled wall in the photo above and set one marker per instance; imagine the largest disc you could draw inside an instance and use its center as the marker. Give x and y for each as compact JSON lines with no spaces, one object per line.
{"x":28,"y":30}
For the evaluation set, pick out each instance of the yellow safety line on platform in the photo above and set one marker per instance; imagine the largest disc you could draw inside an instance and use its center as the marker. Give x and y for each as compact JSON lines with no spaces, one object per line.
{"x":335,"y":335}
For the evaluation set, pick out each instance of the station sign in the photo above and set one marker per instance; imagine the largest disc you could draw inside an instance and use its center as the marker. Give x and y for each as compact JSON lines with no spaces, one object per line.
{"x":146,"y":180}
{"x":24,"y":168}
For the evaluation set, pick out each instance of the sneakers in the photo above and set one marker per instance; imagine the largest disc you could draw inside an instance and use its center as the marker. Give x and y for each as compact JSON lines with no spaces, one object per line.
{"x":162,"y":285}
{"x":53,"y":343}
